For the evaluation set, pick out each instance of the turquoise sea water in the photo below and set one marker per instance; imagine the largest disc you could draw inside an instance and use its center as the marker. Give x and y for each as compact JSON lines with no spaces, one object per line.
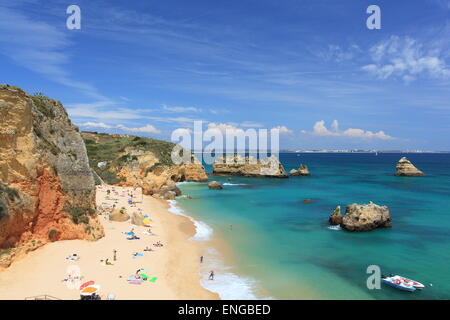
{"x":287,"y":247}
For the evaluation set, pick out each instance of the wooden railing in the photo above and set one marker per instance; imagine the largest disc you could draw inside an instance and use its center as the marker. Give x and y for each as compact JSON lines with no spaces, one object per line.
{"x":42,"y":297}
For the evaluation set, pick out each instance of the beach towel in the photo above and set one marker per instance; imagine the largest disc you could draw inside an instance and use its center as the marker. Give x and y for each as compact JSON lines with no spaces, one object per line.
{"x":153,"y":279}
{"x":134,"y":280}
{"x":138,"y":255}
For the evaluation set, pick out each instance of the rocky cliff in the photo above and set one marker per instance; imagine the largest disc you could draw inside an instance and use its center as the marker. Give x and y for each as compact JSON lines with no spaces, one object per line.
{"x":249,"y":166}
{"x":405,"y":168}
{"x":140,"y":162}
{"x":46,"y":185}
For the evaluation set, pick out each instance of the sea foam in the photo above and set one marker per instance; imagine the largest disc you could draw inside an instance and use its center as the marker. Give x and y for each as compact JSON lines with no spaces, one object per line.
{"x":228,"y":285}
{"x":203,"y":232}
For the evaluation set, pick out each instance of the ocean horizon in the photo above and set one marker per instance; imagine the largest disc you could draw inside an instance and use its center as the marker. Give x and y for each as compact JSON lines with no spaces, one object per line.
{"x":284,"y":248}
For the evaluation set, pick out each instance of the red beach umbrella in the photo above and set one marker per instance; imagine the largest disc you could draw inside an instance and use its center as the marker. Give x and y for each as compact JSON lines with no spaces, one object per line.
{"x":86,"y":284}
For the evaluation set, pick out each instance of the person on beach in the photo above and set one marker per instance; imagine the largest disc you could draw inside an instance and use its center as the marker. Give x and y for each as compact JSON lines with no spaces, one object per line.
{"x":114,"y":254}
{"x":211,"y":275}
{"x":201,"y":259}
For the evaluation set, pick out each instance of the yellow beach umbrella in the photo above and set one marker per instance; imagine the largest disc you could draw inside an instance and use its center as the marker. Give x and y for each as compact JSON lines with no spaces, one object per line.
{"x":147,"y":221}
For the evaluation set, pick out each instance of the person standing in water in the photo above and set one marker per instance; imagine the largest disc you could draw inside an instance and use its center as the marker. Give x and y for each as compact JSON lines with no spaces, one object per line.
{"x":211,"y":275}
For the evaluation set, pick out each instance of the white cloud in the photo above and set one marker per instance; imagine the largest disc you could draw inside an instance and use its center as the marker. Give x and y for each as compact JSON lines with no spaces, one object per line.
{"x":147,"y":129}
{"x":320,"y":129}
{"x":405,"y":58}
{"x":96,"y":125}
{"x":283,"y":130}
{"x":340,"y":54}
{"x":181,"y":109}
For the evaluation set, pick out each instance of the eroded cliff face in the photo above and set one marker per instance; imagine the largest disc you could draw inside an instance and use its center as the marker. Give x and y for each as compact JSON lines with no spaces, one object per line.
{"x":249,"y":167}
{"x":47,"y":189}
{"x":140,"y":162}
{"x":145,"y":172}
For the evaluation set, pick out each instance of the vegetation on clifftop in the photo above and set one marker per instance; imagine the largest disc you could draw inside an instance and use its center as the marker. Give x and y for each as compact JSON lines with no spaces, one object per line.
{"x":111,"y":151}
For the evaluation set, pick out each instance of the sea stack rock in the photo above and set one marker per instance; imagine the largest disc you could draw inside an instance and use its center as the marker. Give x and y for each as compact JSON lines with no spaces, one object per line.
{"x":365,"y":217}
{"x":302,"y":171}
{"x":249,"y":166}
{"x":406,"y":169}
{"x":215,"y":185}
{"x":335,"y":218}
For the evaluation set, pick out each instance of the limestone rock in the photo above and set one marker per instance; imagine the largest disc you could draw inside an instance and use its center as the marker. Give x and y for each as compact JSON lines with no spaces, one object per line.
{"x":215,"y":185}
{"x":168,"y":192}
{"x":365,"y":217}
{"x":137,"y":218}
{"x":44,"y":173}
{"x":119,"y":215}
{"x":405,"y":168}
{"x":249,"y":166}
{"x":303,"y":170}
{"x":336,"y":217}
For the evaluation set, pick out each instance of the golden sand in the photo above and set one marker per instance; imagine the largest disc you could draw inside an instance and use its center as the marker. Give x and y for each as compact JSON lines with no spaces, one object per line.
{"x":176,"y":264}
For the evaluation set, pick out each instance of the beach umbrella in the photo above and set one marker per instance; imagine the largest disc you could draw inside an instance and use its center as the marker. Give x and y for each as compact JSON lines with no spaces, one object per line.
{"x":147,"y":221}
{"x":86,"y":284}
{"x":89,"y":290}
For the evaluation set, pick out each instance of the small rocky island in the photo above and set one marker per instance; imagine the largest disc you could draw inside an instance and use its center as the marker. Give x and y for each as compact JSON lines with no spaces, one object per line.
{"x":302,"y":171}
{"x":249,"y":166}
{"x":406,"y":169}
{"x":361,"y":217}
{"x":215,"y":185}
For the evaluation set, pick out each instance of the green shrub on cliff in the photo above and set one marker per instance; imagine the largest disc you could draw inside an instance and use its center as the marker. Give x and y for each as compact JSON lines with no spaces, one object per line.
{"x":52,"y":234}
{"x":78,"y":214}
{"x":3,"y":210}
{"x":106,"y":148}
{"x":42,"y":103}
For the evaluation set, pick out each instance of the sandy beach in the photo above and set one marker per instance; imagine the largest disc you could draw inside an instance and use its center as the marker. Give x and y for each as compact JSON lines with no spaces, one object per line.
{"x":176,"y":264}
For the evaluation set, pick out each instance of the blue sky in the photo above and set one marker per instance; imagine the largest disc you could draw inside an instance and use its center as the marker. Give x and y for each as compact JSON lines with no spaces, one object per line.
{"x":311,"y":67}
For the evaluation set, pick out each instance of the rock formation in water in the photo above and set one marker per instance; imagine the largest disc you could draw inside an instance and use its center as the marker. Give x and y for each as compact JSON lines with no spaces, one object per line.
{"x":405,"y":168}
{"x":140,"y":162}
{"x":47,"y":189}
{"x":215,"y":185}
{"x":302,"y":171}
{"x":249,"y":166}
{"x":362,"y":217}
{"x":336,"y":217}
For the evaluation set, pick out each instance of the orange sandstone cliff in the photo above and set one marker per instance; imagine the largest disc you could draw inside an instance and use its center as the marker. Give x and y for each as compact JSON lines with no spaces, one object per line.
{"x":47,"y":189}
